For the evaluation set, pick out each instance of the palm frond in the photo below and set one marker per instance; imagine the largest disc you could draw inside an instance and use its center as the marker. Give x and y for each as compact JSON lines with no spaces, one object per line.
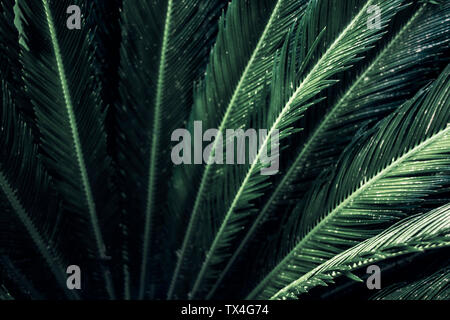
{"x":295,"y":88}
{"x":239,"y":67}
{"x":58,"y":73}
{"x":421,"y":232}
{"x":29,"y":211}
{"x":434,"y":287}
{"x":383,"y":85}
{"x":384,"y":175}
{"x":164,"y":45}
{"x":350,"y":167}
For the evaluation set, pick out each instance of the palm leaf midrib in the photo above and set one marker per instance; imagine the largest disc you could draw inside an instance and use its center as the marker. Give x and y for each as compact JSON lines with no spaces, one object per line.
{"x":302,"y":155}
{"x":348,"y":199}
{"x":274,"y":126}
{"x":75,"y":134}
{"x":155,"y":136}
{"x":391,"y":250}
{"x":205,"y":174}
{"x":68,"y":104}
{"x":389,"y":253}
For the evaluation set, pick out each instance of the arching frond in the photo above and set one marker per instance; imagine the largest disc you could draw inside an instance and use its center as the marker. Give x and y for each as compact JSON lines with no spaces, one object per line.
{"x":426,"y":231}
{"x":384,"y":175}
{"x":29,"y":213}
{"x":337,"y":113}
{"x":383,"y":85}
{"x":164,"y":45}
{"x":433,"y":287}
{"x":240,"y":64}
{"x":58,"y":75}
{"x":300,"y":76}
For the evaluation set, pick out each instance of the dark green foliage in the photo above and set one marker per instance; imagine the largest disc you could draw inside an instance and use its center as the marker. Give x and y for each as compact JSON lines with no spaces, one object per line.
{"x":30,"y":211}
{"x":371,"y":183}
{"x":59,"y":83}
{"x":422,"y":232}
{"x":163,"y":49}
{"x":86,"y":176}
{"x":432,"y":287}
{"x":383,"y":90}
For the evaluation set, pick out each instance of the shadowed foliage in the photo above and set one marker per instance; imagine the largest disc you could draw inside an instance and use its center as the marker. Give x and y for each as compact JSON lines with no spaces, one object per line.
{"x":87,"y":178}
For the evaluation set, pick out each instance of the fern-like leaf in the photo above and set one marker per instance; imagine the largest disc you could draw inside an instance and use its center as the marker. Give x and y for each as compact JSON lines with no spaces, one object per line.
{"x":433,"y":287}
{"x":59,"y":81}
{"x":375,"y":92}
{"x":422,"y":232}
{"x":240,"y":64}
{"x":164,"y":45}
{"x":295,"y":88}
{"x":29,"y":213}
{"x":371,"y":185}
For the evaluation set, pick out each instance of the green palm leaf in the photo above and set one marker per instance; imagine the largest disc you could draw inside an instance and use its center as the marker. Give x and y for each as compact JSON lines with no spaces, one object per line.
{"x":294,"y":89}
{"x":357,"y":116}
{"x":433,"y":287}
{"x":164,"y":45}
{"x":380,"y":87}
{"x":28,"y":211}
{"x":237,"y":72}
{"x":422,"y":232}
{"x":59,"y":81}
{"x":382,"y":177}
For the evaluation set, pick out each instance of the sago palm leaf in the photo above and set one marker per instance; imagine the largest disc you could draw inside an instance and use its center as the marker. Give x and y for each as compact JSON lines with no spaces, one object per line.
{"x":379,"y":88}
{"x":293,"y":90}
{"x":59,"y":82}
{"x":29,"y":214}
{"x":433,"y":287}
{"x":240,"y":64}
{"x":380,"y":178}
{"x":422,"y":232}
{"x":164,"y":45}
{"x":357,"y":116}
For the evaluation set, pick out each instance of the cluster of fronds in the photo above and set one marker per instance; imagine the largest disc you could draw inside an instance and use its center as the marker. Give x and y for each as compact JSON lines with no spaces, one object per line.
{"x":86,"y":176}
